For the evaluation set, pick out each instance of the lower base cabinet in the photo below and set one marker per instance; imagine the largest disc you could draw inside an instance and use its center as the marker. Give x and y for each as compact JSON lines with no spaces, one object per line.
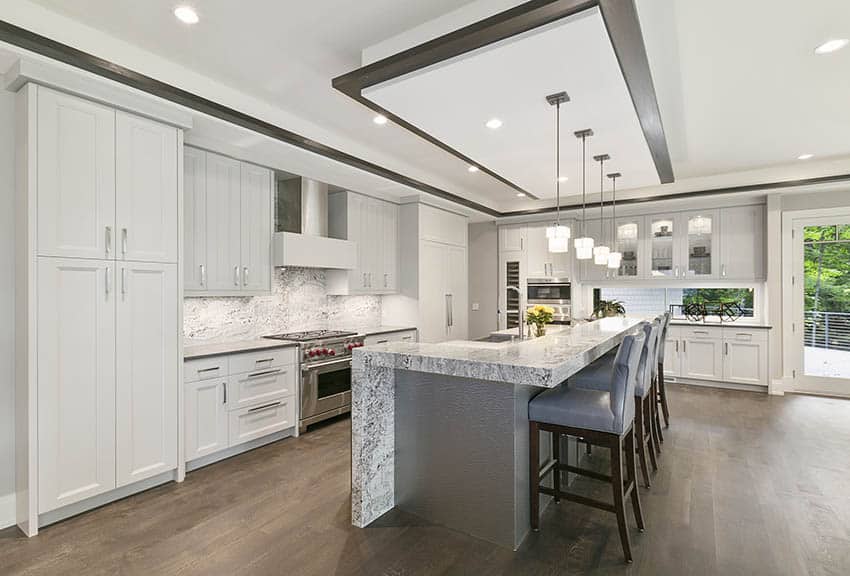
{"x":717,"y":354}
{"x":233,"y":399}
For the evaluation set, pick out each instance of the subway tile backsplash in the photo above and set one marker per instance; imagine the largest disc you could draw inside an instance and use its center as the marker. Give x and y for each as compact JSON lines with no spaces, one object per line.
{"x":298,"y":301}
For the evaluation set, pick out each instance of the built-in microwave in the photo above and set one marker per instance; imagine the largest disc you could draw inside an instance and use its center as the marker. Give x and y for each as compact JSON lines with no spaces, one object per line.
{"x":553,"y":292}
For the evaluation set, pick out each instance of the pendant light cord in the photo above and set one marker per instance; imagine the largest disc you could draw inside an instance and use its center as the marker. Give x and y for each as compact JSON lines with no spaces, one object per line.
{"x":583,"y":185}
{"x":558,"y":163}
{"x":614,"y":213}
{"x":601,"y":195}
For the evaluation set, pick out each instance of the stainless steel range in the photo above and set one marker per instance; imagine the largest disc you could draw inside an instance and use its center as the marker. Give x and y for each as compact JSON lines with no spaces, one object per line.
{"x":325,"y":372}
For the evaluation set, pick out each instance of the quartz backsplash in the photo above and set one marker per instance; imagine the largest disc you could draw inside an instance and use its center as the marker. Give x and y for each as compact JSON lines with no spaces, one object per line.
{"x":299,"y":301}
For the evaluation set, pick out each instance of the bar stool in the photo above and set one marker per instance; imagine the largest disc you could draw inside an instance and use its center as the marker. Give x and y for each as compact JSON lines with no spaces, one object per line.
{"x":603,"y":418}
{"x":590,"y":378}
{"x":662,"y":391}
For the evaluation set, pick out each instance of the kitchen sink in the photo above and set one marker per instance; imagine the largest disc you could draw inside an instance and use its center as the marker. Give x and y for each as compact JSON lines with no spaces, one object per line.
{"x":498,"y":338}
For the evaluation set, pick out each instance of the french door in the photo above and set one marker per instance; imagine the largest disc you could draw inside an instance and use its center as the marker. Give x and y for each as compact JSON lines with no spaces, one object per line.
{"x":821,"y":305}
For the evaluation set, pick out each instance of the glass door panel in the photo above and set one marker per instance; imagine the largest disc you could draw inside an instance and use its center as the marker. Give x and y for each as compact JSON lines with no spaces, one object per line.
{"x":628,"y":242}
{"x":661,"y":247}
{"x":700,"y":245}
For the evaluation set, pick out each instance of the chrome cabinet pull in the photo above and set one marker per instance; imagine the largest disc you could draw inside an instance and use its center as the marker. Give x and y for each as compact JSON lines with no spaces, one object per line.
{"x":677,"y":271}
{"x":236,"y":275}
{"x":723,"y":270}
{"x":726,"y":348}
{"x":677,"y":346}
{"x":224,"y":401}
{"x":685,"y":346}
{"x":123,"y":241}
{"x":701,"y":332}
{"x":451,"y":309}
{"x":263,"y":360}
{"x":245,"y":276}
{"x":264,"y":373}
{"x":123,"y":281}
{"x":386,"y":281}
{"x":264,"y":406}
{"x":108,"y":280}
{"x":364,"y":280}
{"x":203,"y":275}
{"x":108,"y":240}
{"x":210,"y":369}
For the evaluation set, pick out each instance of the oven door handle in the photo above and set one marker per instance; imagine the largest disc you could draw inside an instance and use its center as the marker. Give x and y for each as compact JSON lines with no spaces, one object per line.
{"x":309,"y":367}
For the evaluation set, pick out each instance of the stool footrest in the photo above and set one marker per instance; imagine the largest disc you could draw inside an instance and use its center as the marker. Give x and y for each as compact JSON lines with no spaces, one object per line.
{"x":584,"y":472}
{"x":569,"y":496}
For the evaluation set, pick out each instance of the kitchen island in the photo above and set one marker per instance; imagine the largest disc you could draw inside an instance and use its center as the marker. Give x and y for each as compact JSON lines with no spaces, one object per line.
{"x":441,"y":430}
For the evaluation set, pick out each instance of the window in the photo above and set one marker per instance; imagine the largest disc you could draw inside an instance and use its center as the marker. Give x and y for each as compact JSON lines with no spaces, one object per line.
{"x":712,"y":297}
{"x":640,"y":301}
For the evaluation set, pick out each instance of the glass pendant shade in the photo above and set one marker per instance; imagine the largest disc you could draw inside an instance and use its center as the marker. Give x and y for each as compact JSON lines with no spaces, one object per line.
{"x":559,"y":238}
{"x":600,"y":255}
{"x":584,"y":248}
{"x":614,"y":259}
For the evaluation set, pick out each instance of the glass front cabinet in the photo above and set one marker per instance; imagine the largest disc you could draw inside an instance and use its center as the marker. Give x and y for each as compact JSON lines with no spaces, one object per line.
{"x":662,"y":247}
{"x":629,"y":237}
{"x":700,"y":255}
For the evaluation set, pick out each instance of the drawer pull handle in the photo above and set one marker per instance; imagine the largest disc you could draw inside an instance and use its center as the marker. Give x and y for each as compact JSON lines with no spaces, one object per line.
{"x":224,"y":401}
{"x":742,"y":334}
{"x":264,"y":360}
{"x":264,"y":373}
{"x":264,"y":406}
{"x":701,"y":332}
{"x":381,"y":341}
{"x":211,"y":369}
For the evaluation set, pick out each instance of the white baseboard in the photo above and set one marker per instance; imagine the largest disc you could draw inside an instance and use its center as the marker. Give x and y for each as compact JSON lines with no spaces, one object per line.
{"x":7,"y":510}
{"x":717,"y":384}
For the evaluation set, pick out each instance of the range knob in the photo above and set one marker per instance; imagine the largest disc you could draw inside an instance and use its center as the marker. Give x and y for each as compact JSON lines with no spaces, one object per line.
{"x":349,"y":346}
{"x":324,"y":351}
{"x":311,"y":353}
{"x":331,"y":352}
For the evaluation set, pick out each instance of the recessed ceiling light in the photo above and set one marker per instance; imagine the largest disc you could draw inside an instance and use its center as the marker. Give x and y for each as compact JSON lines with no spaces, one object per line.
{"x":520,"y":194}
{"x":186,"y":14}
{"x":380,"y":120}
{"x":563,"y":178}
{"x":831,"y":46}
{"x":494,"y":124}
{"x":805,"y":156}
{"x":473,"y":169}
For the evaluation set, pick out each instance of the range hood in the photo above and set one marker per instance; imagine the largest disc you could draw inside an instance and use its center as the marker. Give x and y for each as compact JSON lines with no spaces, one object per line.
{"x":302,"y":220}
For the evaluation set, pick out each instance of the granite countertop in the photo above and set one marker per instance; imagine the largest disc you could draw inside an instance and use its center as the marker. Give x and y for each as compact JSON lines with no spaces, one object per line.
{"x":544,"y":362}
{"x":736,"y":324}
{"x":201,"y":349}
{"x":373,"y":330}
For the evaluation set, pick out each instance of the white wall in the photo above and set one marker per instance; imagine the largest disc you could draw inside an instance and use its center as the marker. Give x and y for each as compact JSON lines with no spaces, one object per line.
{"x":7,"y":303}
{"x":483,"y":279}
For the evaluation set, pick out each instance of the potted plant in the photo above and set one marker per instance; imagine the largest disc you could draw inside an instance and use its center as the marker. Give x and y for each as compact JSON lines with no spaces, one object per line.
{"x":608,"y":308}
{"x":539,"y":316}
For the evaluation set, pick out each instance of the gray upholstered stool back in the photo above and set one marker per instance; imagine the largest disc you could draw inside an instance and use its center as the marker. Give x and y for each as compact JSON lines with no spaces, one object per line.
{"x":662,"y":340}
{"x":648,"y":357}
{"x":624,"y":378}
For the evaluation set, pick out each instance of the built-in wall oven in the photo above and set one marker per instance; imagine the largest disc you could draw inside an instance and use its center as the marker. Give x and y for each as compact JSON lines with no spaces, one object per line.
{"x":553,"y":292}
{"x":325,"y":373}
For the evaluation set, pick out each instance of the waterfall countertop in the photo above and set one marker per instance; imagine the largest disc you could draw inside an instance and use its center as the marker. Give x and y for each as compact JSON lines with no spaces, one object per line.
{"x":545,"y":362}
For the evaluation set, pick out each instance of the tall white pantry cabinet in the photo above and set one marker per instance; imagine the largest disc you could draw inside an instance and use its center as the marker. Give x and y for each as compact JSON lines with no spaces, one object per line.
{"x":97,"y":304}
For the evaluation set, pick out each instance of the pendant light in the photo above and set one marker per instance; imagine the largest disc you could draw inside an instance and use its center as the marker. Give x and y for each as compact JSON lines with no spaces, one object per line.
{"x":584,"y":245}
{"x":615,"y":256}
{"x":558,"y":234}
{"x":601,"y":251}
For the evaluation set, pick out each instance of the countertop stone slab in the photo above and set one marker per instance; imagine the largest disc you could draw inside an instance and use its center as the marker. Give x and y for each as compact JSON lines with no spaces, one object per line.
{"x":541,"y":362}
{"x":194,"y":350}
{"x":375,"y":330}
{"x":735,"y":324}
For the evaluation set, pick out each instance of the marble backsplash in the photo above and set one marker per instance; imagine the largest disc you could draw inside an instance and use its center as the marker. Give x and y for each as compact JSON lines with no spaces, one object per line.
{"x":298,"y":301}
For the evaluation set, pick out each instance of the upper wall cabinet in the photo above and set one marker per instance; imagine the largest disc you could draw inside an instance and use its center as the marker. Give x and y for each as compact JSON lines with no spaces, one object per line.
{"x":742,"y":243}
{"x":528,"y":244}
{"x":373,"y":225}
{"x":227,"y":225}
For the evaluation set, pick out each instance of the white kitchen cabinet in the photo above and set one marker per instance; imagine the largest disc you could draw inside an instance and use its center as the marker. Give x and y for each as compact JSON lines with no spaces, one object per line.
{"x":76,"y":380}
{"x":75,"y":176}
{"x":700,"y":239}
{"x":629,"y":233}
{"x":702,"y":354}
{"x":443,"y":292}
{"x":194,"y":218}
{"x":256,"y":228}
{"x":443,"y":226}
{"x":662,"y":247}
{"x":373,"y":225}
{"x":745,"y":356}
{"x":672,"y":356}
{"x":224,"y":223}
{"x":205,"y":421}
{"x":248,"y":424}
{"x":742,"y":230}
{"x":457,"y":285}
{"x":147,"y":370}
{"x":145,"y":189}
{"x":540,"y":263}
{"x":512,"y":238}
{"x":401,"y":336}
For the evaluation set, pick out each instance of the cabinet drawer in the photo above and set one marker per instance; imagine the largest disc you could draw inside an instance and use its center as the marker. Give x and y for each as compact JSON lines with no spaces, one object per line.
{"x":205,"y":368}
{"x":406,"y":336}
{"x":260,"y":386}
{"x":247,"y":424}
{"x":693,"y":332}
{"x":744,"y":334}
{"x":262,"y":359}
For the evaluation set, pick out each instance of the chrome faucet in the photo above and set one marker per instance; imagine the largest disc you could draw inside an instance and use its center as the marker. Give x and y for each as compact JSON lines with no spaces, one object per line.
{"x":521,"y":311}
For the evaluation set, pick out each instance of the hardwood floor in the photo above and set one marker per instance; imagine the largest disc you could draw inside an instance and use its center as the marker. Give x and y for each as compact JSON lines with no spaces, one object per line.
{"x":748,"y":484}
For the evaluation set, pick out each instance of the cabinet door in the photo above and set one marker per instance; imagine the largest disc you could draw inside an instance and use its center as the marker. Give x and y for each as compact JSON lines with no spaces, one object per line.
{"x":662,"y":248}
{"x":672,"y":365}
{"x":223,"y":223}
{"x":700,"y":242}
{"x":512,"y":238}
{"x":356,"y":222}
{"x":538,"y":257}
{"x":76,"y":177}
{"x":629,"y":235}
{"x":194,"y":219}
{"x":389,"y":246}
{"x":702,"y":358}
{"x":76,"y":380}
{"x":433,"y":300}
{"x":745,"y":361}
{"x":457,"y":289}
{"x":205,"y":418}
{"x":742,"y":243}
{"x":146,"y":189}
{"x":256,"y":228}
{"x":147,"y":371}
{"x":370,"y":236}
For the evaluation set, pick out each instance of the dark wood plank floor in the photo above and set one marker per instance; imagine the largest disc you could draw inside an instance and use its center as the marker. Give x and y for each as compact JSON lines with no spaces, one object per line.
{"x":749,"y":485}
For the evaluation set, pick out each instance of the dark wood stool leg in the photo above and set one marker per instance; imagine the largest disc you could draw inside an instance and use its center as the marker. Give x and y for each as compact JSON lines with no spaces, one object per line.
{"x":646,"y":434}
{"x":619,"y":497}
{"x":653,"y":422}
{"x":534,"y":473}
{"x":641,"y":445}
{"x":662,"y":393}
{"x":632,"y":478}
{"x":556,"y":472}
{"x":656,"y":411}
